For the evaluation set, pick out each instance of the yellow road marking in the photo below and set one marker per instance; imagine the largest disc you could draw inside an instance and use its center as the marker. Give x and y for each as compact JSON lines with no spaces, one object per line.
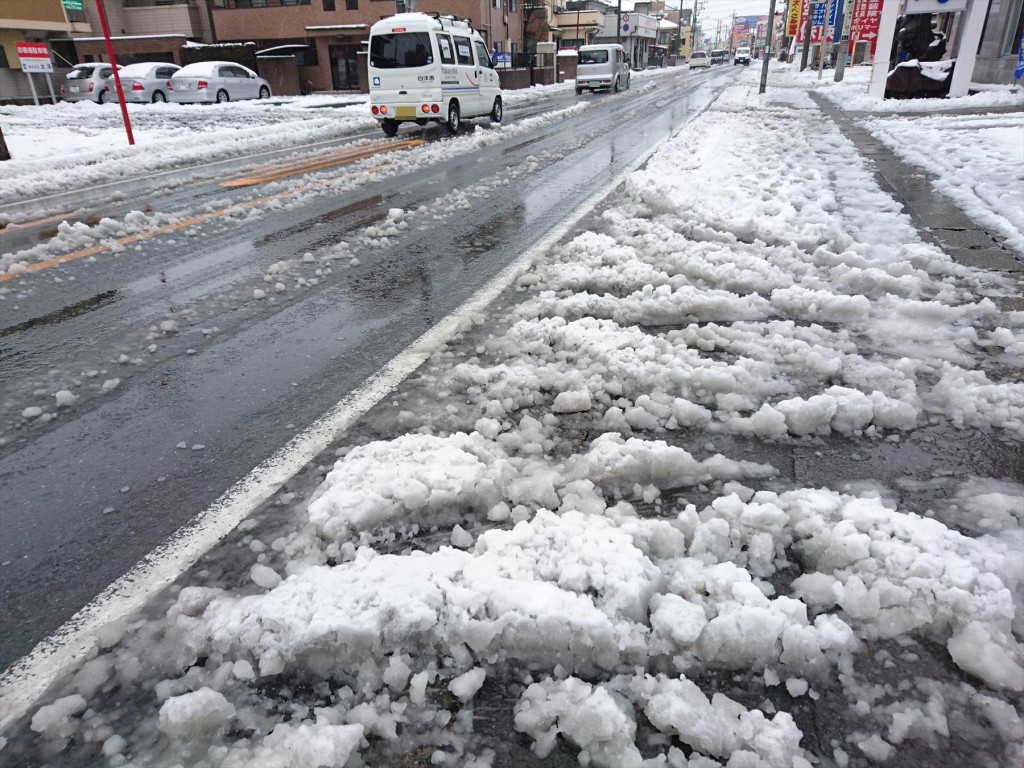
{"x":342,"y":158}
{"x":131,"y":239}
{"x":37,"y":222}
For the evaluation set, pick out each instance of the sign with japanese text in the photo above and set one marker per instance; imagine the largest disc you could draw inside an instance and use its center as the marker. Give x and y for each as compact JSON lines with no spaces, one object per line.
{"x":72,"y":5}
{"x":864,"y":26}
{"x":34,"y":57}
{"x":796,"y":8}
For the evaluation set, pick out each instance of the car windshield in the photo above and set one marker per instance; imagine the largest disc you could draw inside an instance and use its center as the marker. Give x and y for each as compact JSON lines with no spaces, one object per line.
{"x":593,"y":57}
{"x":405,"y":49}
{"x":742,"y":51}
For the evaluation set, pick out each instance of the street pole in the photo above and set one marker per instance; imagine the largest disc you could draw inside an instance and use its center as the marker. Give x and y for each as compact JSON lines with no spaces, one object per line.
{"x":117,"y":77}
{"x":807,"y":34}
{"x":618,"y":23}
{"x":767,"y":48}
{"x":844,"y":41}
{"x":578,"y":38}
{"x":824,"y":38}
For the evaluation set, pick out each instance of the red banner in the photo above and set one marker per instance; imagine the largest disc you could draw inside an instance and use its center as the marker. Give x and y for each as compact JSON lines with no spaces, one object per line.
{"x":864,"y":25}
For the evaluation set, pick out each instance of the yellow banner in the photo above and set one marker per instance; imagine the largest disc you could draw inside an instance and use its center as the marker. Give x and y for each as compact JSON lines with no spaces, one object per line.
{"x":793,"y":20}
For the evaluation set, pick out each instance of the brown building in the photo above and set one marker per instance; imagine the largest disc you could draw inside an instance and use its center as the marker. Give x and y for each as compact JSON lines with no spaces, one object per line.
{"x":326,"y":36}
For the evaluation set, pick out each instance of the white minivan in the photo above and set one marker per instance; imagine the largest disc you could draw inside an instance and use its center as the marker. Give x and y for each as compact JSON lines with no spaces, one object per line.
{"x":601,"y":66}
{"x":430,"y":67}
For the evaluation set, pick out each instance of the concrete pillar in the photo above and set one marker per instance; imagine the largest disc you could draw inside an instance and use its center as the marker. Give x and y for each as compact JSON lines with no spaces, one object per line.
{"x":967,"y":49}
{"x":886,"y":32}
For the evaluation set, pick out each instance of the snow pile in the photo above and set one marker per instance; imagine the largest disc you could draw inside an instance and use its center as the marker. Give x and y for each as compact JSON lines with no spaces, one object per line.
{"x":575,"y":527}
{"x":978,"y":161}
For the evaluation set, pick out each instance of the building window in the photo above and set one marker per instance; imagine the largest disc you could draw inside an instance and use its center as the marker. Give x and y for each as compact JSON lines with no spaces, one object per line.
{"x":351,"y":5}
{"x":328,"y":5}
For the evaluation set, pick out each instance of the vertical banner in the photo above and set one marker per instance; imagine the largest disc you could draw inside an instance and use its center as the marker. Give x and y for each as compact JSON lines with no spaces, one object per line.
{"x":793,"y":18}
{"x":864,"y":27}
{"x":805,"y":9}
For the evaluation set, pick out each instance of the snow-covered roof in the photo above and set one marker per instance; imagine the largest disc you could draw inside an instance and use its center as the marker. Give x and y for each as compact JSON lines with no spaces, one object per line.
{"x":666,"y":24}
{"x":127,"y":37}
{"x":142,"y":68}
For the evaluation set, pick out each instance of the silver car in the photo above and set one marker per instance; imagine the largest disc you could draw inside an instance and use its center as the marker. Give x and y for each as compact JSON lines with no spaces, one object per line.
{"x":216,"y":81}
{"x":88,"y":82}
{"x":144,"y":82}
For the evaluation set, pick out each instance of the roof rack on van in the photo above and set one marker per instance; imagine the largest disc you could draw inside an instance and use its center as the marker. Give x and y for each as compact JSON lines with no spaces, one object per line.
{"x":451,"y":18}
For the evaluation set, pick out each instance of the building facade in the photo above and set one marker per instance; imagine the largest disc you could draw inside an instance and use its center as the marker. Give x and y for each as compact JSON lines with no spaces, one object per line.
{"x":328,"y":36}
{"x":1000,"y":43}
{"x":38,"y":21}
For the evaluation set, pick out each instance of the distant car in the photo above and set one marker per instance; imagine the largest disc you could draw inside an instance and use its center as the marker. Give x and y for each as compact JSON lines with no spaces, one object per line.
{"x":699,"y":60}
{"x":602,"y":66}
{"x":88,"y":82}
{"x":719,"y":56}
{"x":742,"y":56}
{"x":208,"y":82}
{"x":145,"y":82}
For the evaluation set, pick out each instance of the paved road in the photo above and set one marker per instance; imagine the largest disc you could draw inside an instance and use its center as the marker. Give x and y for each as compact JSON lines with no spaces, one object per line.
{"x":91,"y":492}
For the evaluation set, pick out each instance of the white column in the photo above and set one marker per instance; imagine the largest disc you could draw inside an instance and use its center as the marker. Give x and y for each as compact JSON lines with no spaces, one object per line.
{"x":967,"y":50}
{"x":886,"y":32}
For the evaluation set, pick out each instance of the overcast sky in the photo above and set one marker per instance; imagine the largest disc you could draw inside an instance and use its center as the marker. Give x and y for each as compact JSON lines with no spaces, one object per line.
{"x":713,"y":10}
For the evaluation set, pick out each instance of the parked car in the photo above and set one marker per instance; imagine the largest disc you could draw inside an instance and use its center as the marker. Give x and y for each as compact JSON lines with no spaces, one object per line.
{"x":719,"y":56}
{"x":742,"y":56}
{"x":206,"y":82}
{"x":88,"y":82}
{"x":699,"y":60}
{"x":144,"y":82}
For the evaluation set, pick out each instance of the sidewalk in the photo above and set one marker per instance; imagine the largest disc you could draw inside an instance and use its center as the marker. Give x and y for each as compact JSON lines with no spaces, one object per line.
{"x":731,"y":476}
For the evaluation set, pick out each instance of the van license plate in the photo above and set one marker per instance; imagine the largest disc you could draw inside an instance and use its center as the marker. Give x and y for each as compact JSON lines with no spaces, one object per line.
{"x":406,"y":113}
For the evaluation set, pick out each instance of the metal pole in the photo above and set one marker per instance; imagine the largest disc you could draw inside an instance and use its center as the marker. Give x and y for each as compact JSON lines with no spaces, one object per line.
{"x":824,"y":35}
{"x":618,"y":23}
{"x":117,"y":77}
{"x":32,"y":86}
{"x":767,"y":48}
{"x":844,"y":41}
{"x":49,"y":84}
{"x":807,"y":34}
{"x":578,"y":38}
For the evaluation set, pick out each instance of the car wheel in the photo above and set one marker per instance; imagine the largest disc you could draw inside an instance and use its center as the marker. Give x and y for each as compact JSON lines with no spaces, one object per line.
{"x":390,"y":127}
{"x":158,"y":97}
{"x":264,"y":92}
{"x":222,"y":97}
{"x":496,"y":110}
{"x":579,"y":91}
{"x":615,"y":86}
{"x":454,"y":120}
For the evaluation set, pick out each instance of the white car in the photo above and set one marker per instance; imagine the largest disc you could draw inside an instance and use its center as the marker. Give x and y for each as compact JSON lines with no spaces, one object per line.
{"x":742,"y":56}
{"x":699,"y":60}
{"x":207,"y":82}
{"x":145,"y":82}
{"x":602,"y":67}
{"x":88,"y":82}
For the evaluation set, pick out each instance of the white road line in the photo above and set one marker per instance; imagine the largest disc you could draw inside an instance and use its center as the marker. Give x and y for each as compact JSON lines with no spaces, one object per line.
{"x":28,"y":678}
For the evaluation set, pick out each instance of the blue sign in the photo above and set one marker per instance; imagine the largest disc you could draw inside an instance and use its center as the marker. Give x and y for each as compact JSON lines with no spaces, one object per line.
{"x":819,"y":13}
{"x":1020,"y":59}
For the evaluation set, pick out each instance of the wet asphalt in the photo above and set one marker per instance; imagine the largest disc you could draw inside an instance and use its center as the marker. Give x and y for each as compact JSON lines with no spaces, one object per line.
{"x":90,"y":493}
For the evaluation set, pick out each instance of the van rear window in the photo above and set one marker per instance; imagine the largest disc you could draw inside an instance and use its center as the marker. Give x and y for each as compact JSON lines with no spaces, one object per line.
{"x":405,"y":49}
{"x":593,"y":57}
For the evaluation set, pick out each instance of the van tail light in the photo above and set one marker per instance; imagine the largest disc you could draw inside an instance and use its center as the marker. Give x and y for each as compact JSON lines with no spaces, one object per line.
{"x":137,"y":86}
{"x":92,"y":87}
{"x":434,"y":108}
{"x":374,"y":110}
{"x":201,"y":85}
{"x":383,"y":110}
{"x":425,"y":109}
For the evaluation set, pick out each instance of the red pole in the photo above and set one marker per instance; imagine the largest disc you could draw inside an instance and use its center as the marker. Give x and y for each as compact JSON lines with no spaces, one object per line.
{"x":117,"y":77}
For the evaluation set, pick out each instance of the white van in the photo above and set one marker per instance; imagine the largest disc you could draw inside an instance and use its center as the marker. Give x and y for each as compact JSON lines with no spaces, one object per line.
{"x":427,"y":68}
{"x":601,"y":66}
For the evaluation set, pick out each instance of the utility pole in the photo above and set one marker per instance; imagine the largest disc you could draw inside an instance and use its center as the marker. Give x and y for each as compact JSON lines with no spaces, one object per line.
{"x":844,"y":40}
{"x":807,"y":35}
{"x":767,"y":48}
{"x":618,"y":23}
{"x":824,"y":38}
